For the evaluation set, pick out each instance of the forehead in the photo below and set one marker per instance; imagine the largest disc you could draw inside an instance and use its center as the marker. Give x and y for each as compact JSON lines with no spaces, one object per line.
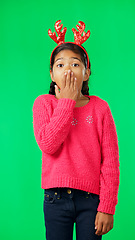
{"x":65,"y":54}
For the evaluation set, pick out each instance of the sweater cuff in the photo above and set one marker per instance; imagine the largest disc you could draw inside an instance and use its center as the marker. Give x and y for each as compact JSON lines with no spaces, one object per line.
{"x":106,"y":207}
{"x":66,"y":103}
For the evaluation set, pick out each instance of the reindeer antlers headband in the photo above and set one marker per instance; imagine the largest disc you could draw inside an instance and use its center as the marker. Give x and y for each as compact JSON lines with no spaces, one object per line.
{"x":78,"y":39}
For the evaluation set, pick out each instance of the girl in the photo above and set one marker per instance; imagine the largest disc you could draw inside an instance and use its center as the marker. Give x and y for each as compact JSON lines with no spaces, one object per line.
{"x":80,"y":157}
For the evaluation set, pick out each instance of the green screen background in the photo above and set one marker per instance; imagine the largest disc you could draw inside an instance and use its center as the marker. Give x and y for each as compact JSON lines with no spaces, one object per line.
{"x":25,"y":50}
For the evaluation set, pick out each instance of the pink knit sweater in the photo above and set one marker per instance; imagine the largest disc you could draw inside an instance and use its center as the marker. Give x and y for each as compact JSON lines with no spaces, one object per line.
{"x":79,"y":147}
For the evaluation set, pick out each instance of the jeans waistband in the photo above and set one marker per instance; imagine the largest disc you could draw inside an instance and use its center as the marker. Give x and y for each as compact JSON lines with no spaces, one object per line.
{"x":67,"y":192}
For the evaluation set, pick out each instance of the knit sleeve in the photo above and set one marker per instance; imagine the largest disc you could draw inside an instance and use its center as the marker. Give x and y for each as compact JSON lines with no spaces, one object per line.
{"x":50,"y":132}
{"x":109,"y":171}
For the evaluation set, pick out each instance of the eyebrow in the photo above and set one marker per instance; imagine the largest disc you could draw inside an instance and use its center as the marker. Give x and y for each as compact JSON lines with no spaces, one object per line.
{"x":71,"y":57}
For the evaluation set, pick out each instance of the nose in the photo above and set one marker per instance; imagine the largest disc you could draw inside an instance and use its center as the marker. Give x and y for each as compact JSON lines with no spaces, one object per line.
{"x":68,"y":70}
{"x":67,"y":67}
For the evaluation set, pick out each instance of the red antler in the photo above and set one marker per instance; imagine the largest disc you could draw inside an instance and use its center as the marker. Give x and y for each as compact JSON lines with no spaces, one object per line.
{"x":61,"y":34}
{"x":77,"y":35}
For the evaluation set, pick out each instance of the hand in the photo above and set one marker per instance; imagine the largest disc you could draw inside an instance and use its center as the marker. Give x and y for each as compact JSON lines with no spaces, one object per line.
{"x":103,"y":223}
{"x":68,"y":89}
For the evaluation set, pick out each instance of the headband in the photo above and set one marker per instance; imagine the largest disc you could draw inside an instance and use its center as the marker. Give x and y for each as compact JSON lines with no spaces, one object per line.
{"x":78,"y":39}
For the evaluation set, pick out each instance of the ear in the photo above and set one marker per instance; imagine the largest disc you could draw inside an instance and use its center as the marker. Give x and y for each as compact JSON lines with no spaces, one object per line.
{"x":87,"y":74}
{"x":51,"y":74}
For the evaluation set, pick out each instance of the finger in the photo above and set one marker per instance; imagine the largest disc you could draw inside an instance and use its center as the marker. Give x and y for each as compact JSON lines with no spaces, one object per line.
{"x":99,"y":229}
{"x":68,"y":79}
{"x":96,"y":221}
{"x":63,"y":84}
{"x":108,"y":228}
{"x":104,"y":229}
{"x":75,"y":83}
{"x":72,"y":80}
{"x":56,"y":90}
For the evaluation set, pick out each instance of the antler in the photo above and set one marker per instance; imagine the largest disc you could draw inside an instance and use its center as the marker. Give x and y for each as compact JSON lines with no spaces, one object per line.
{"x":77,"y":35}
{"x":61,"y":34}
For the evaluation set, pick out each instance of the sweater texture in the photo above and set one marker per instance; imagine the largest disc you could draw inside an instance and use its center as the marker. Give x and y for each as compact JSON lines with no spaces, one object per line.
{"x":79,"y":147}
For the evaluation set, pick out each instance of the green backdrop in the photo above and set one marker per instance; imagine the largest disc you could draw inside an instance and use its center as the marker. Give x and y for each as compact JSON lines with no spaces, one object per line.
{"x":25,"y":50}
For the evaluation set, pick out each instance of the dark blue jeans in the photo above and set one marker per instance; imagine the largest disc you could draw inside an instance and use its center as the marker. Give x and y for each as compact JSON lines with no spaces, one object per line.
{"x":65,"y":206}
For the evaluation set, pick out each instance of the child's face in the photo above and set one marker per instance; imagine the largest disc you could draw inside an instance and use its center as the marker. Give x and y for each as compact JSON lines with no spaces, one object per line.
{"x":68,"y":62}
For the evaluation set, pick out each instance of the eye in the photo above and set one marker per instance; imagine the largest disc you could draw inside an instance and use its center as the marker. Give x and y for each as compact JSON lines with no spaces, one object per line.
{"x":62,"y":64}
{"x":76,"y":64}
{"x":59,"y":64}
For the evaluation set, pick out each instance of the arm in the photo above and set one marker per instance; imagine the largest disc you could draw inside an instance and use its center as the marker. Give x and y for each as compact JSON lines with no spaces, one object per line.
{"x":50,"y":133}
{"x":109,"y":174}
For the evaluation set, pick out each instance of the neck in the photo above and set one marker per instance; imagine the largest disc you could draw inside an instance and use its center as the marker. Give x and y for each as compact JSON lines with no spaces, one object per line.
{"x":80,"y":96}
